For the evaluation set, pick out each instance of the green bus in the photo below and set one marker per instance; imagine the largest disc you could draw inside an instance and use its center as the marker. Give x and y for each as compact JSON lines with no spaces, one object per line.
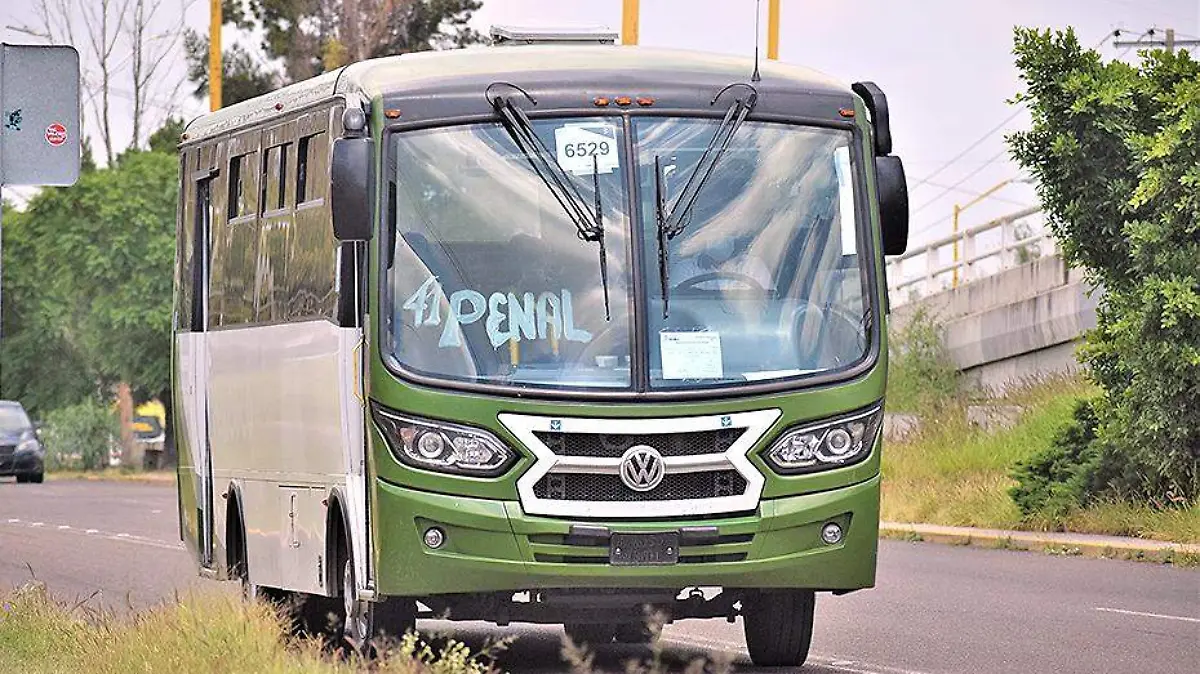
{"x":548,"y":331}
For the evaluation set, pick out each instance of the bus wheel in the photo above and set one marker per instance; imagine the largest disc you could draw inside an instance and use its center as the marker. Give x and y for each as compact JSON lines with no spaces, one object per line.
{"x":779,"y":626}
{"x":364,"y":622}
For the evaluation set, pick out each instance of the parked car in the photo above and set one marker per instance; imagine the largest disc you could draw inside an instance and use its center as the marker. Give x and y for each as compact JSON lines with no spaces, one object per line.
{"x":21,"y":450}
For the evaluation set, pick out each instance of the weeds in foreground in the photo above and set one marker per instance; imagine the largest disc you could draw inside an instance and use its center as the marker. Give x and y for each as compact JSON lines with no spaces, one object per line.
{"x":221,"y":633}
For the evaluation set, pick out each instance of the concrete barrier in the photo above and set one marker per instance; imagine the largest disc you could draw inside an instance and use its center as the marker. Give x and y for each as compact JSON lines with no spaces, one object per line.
{"x":1021,"y":323}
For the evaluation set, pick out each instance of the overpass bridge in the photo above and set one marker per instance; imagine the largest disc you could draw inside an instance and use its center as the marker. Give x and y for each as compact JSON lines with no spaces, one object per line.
{"x":1010,"y":307}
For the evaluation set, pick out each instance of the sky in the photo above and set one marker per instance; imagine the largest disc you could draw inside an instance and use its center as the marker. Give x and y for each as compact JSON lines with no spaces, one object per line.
{"x":945,"y":65}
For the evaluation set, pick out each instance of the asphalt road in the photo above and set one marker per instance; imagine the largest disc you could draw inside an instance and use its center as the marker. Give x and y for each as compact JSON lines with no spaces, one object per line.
{"x":936,"y":608}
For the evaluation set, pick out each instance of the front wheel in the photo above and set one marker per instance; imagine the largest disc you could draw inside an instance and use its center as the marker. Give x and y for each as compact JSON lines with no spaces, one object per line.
{"x":779,"y":626}
{"x":35,"y":478}
{"x":363,"y":621}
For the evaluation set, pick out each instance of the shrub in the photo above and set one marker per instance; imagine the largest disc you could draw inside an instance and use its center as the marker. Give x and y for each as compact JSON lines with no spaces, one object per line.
{"x":921,"y":375}
{"x":79,"y":436}
{"x":1060,"y":478}
{"x":1116,"y":154}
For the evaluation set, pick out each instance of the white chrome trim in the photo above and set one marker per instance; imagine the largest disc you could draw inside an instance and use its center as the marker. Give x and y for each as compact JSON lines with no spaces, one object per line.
{"x":756,"y":423}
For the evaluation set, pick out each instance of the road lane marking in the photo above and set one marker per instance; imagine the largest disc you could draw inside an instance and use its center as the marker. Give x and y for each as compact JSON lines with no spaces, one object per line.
{"x":96,"y":533}
{"x":1149,"y":615}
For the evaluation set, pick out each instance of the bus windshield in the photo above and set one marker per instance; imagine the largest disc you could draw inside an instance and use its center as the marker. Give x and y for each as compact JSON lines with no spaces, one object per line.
{"x":489,"y":280}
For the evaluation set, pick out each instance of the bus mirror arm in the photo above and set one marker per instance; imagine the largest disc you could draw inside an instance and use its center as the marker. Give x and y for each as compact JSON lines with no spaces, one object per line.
{"x":353,"y":179}
{"x":877,"y":105}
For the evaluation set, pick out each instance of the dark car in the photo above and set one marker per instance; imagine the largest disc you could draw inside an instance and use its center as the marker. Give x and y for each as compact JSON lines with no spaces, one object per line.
{"x":21,"y":450}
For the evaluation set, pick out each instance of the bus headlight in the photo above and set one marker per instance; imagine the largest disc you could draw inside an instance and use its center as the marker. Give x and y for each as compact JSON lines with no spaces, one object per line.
{"x":443,"y":447}
{"x":828,"y":444}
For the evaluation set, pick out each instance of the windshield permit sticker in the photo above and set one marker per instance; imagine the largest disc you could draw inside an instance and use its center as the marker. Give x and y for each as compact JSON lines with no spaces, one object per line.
{"x":841,"y":163}
{"x":582,"y":148}
{"x":691,"y":355}
{"x":509,"y":318}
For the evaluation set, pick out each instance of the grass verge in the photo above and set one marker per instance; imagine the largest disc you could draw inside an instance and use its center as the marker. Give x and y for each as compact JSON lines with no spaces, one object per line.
{"x":223,"y":633}
{"x":195,"y":634}
{"x":955,"y":474}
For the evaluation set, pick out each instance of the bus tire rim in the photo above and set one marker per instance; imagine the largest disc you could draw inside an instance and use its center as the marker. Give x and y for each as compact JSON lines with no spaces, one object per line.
{"x":357,"y":612}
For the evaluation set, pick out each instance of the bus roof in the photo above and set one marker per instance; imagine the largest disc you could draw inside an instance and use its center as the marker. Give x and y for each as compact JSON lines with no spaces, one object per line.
{"x":580,"y":65}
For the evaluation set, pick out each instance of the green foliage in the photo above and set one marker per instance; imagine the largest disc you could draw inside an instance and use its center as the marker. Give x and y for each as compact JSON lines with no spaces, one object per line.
{"x":1061,"y":477}
{"x":79,"y":436}
{"x":88,"y":285}
{"x":242,"y":76}
{"x":921,"y":376}
{"x":1116,"y":151}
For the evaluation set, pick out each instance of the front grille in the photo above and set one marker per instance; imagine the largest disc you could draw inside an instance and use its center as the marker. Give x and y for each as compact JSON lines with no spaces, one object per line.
{"x":608,"y":487}
{"x":7,"y":450}
{"x":613,"y":445}
{"x":683,"y":559}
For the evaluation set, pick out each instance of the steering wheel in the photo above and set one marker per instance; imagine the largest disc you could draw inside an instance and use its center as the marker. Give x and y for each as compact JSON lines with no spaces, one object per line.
{"x":720,"y":275}
{"x":821,"y":335}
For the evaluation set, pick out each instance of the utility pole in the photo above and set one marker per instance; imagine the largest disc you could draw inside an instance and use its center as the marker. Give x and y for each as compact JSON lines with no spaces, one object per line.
{"x":773,"y":29}
{"x":629,"y":22}
{"x":1169,"y":41}
{"x":214,"y":55}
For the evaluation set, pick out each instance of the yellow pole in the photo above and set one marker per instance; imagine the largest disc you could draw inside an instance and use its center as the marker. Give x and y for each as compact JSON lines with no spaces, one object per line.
{"x":773,"y":29}
{"x":629,"y":22}
{"x":214,"y":55}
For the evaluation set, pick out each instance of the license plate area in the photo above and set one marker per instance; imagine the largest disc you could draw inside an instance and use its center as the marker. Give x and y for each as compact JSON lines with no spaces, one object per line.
{"x":659,"y":549}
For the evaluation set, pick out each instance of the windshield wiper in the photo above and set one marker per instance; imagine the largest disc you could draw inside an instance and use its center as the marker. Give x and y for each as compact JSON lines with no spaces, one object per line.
{"x":672,"y":221}
{"x":589,"y":225}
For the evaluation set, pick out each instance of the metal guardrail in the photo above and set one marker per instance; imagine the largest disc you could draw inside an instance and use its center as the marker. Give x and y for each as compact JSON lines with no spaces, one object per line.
{"x":936,"y":275}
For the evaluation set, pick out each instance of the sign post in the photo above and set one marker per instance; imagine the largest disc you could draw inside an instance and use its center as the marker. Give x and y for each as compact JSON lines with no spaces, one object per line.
{"x":39,"y":119}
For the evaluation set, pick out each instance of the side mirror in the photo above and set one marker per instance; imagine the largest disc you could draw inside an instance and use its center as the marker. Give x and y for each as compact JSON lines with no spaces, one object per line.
{"x":893,"y":203}
{"x":877,"y":105}
{"x":353,"y":178}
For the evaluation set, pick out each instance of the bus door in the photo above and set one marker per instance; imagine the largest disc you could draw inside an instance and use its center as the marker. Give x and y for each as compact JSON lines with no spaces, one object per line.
{"x":195,"y":459}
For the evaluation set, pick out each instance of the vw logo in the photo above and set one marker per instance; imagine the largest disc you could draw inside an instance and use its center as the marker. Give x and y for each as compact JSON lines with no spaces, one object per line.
{"x":642,"y":468}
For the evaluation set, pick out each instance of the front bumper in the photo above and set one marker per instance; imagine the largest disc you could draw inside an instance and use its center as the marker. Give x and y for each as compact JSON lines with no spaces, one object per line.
{"x":21,"y":463}
{"x":492,"y":545}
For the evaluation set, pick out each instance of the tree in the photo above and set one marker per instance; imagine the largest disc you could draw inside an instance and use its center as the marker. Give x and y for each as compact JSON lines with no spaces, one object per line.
{"x":1116,"y":152}
{"x":113,"y":34}
{"x":93,"y":273}
{"x":242,"y":76}
{"x":37,"y":366}
{"x":312,"y":36}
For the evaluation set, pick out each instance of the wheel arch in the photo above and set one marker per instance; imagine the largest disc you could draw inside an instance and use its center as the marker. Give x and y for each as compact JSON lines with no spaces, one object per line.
{"x":235,"y":530}
{"x":337,"y":538}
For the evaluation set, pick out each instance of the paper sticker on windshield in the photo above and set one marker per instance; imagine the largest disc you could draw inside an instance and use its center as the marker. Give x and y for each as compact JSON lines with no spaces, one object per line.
{"x":691,"y":355}
{"x":582,"y":148}
{"x":841,"y":164}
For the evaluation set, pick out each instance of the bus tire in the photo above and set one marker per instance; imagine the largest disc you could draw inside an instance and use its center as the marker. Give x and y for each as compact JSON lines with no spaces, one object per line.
{"x":363,"y":623}
{"x":779,"y":626}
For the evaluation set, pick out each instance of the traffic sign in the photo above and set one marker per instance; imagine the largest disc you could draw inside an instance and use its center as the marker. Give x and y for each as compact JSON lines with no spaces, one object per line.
{"x":39,"y":115}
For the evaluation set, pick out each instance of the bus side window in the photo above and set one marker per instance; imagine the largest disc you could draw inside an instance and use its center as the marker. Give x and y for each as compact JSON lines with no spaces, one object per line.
{"x":184,"y":235}
{"x":274,"y":177}
{"x":236,"y":267}
{"x":313,"y":257}
{"x":311,"y":157}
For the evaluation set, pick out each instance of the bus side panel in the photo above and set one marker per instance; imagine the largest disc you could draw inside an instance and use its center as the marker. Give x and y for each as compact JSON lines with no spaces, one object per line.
{"x":277,"y":432}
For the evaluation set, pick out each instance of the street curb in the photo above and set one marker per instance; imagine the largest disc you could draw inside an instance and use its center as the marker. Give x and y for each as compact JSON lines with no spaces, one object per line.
{"x":1086,"y":545}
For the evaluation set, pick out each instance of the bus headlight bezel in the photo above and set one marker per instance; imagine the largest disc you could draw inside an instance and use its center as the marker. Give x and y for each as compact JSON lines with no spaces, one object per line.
{"x":806,"y":448}
{"x":462,"y":450}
